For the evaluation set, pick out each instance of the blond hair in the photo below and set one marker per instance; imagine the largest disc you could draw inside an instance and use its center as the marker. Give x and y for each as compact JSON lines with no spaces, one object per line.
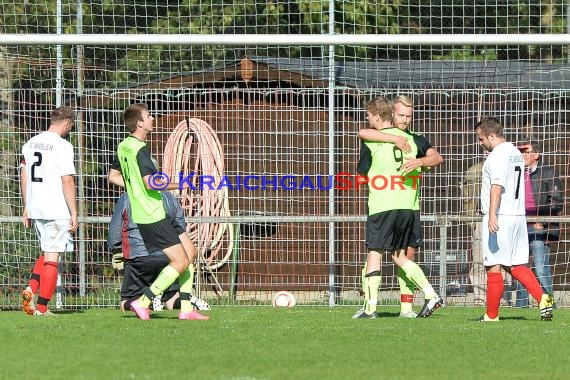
{"x":405,"y":100}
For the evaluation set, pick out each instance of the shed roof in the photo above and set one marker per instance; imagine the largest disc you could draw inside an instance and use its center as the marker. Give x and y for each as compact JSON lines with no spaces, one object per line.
{"x":269,"y":72}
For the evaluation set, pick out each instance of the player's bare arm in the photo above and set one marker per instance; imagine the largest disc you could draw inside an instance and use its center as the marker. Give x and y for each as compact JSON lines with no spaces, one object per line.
{"x":431,"y":159}
{"x":495,"y":202}
{"x":24,"y":185}
{"x":370,"y":134}
{"x":156,"y":182}
{"x":68,"y":185}
{"x":116,"y":178}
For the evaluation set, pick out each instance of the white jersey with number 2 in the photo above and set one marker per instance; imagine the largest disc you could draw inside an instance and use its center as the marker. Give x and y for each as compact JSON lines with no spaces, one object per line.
{"x":47,"y":157}
{"x":504,"y":166}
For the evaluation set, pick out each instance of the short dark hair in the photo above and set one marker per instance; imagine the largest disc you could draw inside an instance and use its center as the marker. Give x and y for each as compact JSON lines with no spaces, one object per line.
{"x":133,"y":114}
{"x":535,"y":145}
{"x":61,"y":114}
{"x":490,"y":125}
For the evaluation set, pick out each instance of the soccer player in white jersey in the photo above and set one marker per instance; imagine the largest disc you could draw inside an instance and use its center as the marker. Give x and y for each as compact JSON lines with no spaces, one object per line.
{"x":504,"y":235}
{"x":48,"y":193}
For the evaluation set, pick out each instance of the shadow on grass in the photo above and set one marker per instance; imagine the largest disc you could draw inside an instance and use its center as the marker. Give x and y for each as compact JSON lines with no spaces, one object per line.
{"x":385,"y":314}
{"x":70,"y":311}
{"x":511,"y":318}
{"x":132,"y":315}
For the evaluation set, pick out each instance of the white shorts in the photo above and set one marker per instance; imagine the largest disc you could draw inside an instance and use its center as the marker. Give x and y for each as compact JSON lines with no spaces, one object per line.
{"x":509,"y":246}
{"x":54,"y":235}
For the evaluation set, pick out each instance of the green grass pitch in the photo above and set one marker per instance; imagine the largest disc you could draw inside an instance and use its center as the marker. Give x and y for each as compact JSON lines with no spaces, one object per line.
{"x":301,"y":343}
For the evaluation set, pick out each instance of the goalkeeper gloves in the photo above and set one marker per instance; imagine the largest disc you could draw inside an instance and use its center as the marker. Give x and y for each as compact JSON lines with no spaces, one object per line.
{"x":118,"y":262}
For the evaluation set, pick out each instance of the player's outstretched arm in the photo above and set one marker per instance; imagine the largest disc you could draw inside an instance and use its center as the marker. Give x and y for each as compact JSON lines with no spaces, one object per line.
{"x":370,"y":134}
{"x":159,"y":182}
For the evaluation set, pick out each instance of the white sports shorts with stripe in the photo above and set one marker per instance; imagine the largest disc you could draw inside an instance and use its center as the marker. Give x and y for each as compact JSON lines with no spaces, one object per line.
{"x":509,"y":246}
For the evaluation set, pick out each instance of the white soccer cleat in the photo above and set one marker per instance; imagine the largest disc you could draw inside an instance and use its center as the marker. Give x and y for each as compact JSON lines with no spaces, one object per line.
{"x":486,"y":318}
{"x":409,"y":314}
{"x":361,"y":314}
{"x":199,"y":303}
{"x":358,"y":312}
{"x":47,"y":313}
{"x":157,"y":303}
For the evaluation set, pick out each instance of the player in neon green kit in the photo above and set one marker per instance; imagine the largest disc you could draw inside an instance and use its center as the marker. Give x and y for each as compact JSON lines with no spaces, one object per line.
{"x":392,"y":224}
{"x":427,"y":157}
{"x":135,"y":171}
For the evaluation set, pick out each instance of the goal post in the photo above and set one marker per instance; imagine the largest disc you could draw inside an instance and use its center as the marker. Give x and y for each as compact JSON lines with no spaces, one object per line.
{"x":289,"y":40}
{"x":283,"y":90}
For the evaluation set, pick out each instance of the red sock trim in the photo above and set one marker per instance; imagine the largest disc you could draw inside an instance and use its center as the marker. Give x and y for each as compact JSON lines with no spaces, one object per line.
{"x":495,"y":288}
{"x":34,"y":282}
{"x":406,"y":298}
{"x":47,"y":283}
{"x":525,"y":276}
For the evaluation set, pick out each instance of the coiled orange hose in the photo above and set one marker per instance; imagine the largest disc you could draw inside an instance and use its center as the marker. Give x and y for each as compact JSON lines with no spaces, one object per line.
{"x":193,"y":146}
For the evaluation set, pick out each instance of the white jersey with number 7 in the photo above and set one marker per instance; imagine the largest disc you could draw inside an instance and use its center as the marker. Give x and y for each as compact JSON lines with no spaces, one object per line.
{"x":504,"y":166}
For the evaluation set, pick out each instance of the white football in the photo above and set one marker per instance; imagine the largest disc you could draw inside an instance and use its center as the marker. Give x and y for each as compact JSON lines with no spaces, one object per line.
{"x":284,"y":299}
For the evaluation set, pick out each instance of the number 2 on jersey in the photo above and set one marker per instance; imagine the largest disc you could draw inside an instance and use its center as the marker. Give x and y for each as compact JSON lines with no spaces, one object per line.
{"x":36,"y":164}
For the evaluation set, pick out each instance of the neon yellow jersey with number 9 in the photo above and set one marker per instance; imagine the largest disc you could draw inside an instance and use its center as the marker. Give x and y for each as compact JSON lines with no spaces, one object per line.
{"x":388,"y":188}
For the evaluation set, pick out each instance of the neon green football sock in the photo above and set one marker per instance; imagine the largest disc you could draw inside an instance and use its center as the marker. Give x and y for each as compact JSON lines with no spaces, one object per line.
{"x":166,"y":278}
{"x":186,"y":281}
{"x":144,"y":301}
{"x":407,"y":288}
{"x":364,"y":282}
{"x":415,"y":273}
{"x":373,"y":281}
{"x":363,"y":277}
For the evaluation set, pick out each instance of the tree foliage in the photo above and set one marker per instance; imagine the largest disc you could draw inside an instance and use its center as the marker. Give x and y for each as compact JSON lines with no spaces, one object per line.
{"x":122,"y":64}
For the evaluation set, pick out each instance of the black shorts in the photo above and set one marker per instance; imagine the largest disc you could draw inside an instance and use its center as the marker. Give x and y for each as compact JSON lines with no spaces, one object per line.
{"x":160,"y":235}
{"x":416,"y":238}
{"x":392,"y":230}
{"x":141,"y":272}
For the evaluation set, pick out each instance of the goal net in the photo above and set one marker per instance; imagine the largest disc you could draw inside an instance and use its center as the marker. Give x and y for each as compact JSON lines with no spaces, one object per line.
{"x":286,"y":117}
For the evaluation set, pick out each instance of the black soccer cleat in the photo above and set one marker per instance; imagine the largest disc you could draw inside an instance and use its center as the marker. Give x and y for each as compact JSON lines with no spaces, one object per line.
{"x":430,"y":306}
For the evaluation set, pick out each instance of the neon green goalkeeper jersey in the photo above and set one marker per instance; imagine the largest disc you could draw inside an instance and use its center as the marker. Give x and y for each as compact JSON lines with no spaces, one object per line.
{"x":387,"y":188}
{"x":146,"y":205}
